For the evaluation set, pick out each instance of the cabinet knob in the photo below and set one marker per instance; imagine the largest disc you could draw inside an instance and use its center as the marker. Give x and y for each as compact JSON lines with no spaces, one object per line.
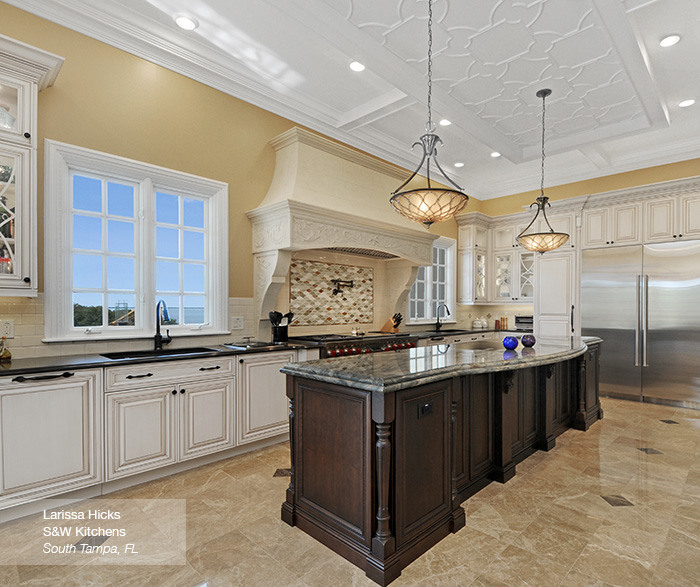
{"x":27,"y":280}
{"x":27,"y":135}
{"x":174,"y":392}
{"x":183,"y":390}
{"x":240,"y":361}
{"x":680,"y":235}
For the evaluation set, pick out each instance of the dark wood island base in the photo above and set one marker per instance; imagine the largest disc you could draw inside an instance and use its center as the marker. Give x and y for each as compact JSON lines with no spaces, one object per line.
{"x":378,"y":475}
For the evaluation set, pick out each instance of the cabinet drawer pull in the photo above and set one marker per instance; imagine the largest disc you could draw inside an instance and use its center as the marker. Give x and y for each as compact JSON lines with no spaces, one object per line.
{"x":210,"y":368}
{"x":139,"y":376}
{"x":22,"y":378}
{"x":183,"y":390}
{"x":174,"y":392}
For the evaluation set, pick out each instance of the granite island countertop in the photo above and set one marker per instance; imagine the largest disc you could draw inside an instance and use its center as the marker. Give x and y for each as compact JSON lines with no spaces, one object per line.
{"x":394,"y":370}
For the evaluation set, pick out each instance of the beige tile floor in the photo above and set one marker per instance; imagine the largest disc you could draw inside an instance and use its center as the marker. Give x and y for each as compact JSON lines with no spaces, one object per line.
{"x":547,"y":526}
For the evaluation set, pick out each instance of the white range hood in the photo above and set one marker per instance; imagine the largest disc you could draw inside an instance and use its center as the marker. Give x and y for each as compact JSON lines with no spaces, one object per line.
{"x":329,"y":196}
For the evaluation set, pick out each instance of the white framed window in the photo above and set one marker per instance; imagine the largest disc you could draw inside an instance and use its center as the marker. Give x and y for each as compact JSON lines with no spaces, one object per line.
{"x":435,"y":284}
{"x":121,"y":235}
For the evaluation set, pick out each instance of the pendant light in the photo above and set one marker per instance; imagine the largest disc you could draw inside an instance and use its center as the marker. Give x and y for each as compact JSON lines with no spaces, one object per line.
{"x":429,"y":204}
{"x":541,"y":242}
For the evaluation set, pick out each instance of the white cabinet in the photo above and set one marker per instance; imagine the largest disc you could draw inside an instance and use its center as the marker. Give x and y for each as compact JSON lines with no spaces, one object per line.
{"x":502,"y":270}
{"x":262,"y":400}
{"x":616,"y":225}
{"x":140,"y":430}
{"x":473,"y":287}
{"x":472,"y":236}
{"x":50,"y":434}
{"x":159,"y":414}
{"x":555,"y":300}
{"x":514,"y":276}
{"x":24,"y":71}
{"x":672,"y":218}
{"x":503,"y":237}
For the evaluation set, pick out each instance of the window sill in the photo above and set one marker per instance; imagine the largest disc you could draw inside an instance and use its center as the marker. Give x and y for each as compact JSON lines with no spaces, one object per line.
{"x":126,"y":338}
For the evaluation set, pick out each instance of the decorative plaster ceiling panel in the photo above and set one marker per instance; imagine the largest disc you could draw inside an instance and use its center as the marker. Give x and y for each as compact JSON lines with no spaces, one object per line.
{"x":615,"y":91}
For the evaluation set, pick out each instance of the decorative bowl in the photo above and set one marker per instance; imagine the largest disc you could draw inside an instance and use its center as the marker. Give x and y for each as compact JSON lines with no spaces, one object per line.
{"x":510,"y":342}
{"x":528,"y":340}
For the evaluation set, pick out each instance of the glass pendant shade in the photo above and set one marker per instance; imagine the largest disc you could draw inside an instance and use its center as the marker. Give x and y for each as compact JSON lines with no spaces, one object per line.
{"x":429,"y":205}
{"x":541,"y":242}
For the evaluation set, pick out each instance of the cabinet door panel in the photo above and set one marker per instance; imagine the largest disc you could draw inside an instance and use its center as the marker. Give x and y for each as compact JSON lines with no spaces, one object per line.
{"x":555,"y":295}
{"x":206,"y":418}
{"x":626,"y":224}
{"x":690,"y":216}
{"x":504,"y":237}
{"x":50,"y":436}
{"x":262,"y":400}
{"x":659,"y":223}
{"x":141,"y":431}
{"x":595,"y":228}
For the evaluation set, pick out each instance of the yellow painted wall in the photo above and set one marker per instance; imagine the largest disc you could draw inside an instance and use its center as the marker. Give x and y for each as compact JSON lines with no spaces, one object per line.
{"x":513,"y":204}
{"x":111,"y":101}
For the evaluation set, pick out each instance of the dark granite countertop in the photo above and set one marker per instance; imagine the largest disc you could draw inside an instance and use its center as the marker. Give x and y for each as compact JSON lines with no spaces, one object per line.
{"x":71,"y":362}
{"x":392,"y":371}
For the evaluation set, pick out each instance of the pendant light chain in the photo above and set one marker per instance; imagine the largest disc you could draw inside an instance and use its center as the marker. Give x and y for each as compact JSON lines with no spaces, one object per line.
{"x":544,"y":97}
{"x":429,"y":125}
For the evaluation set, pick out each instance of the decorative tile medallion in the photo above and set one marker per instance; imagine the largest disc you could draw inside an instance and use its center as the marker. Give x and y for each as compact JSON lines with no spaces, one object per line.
{"x":89,"y":541}
{"x":668,"y":421}
{"x":616,"y":500}
{"x":282,"y":473}
{"x":313,"y":302}
{"x":651,"y":451}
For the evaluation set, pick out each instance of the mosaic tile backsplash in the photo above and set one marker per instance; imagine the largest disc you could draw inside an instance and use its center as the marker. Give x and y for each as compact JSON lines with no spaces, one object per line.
{"x":311,"y":295}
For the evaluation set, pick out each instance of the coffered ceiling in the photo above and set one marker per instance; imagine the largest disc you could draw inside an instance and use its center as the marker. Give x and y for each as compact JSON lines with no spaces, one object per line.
{"x":614,"y":105}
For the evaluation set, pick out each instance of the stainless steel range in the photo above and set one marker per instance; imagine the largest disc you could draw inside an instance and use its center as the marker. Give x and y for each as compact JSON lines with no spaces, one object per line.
{"x":340,"y":345}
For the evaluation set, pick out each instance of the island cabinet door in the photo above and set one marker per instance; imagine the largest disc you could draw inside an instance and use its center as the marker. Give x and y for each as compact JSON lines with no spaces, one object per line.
{"x":557,"y":401}
{"x":516,"y":428}
{"x":332,"y":458}
{"x":423,"y":475}
{"x":474,"y":432}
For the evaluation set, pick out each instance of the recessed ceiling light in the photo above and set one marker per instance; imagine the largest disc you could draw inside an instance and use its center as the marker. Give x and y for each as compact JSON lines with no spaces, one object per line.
{"x":669,"y":41}
{"x":686,"y":103}
{"x":357,"y":66}
{"x":460,"y":164}
{"x":186,"y":22}
{"x":445,"y":122}
{"x":495,"y":154}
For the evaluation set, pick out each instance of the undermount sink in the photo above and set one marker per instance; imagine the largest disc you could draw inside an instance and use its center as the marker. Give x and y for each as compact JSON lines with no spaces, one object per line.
{"x":449,"y":331}
{"x":188,"y":352}
{"x":247,"y":346}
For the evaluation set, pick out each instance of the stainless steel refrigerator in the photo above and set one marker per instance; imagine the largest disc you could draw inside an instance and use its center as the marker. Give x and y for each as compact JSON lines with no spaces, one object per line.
{"x":644,"y":301}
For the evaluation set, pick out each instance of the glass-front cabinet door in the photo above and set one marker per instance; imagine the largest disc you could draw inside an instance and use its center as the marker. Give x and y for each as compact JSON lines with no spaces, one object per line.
{"x":17,"y":271}
{"x":526,"y":276}
{"x":15,"y":111}
{"x":503,"y":276}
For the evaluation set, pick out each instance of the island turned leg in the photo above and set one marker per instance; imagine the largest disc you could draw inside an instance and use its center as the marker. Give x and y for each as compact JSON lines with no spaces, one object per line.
{"x":383,"y":543}
{"x":458,"y":514}
{"x":288,"y":505}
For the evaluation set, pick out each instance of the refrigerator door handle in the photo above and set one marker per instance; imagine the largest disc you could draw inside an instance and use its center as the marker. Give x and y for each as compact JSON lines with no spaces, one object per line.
{"x":637,"y":326}
{"x":645,"y":322}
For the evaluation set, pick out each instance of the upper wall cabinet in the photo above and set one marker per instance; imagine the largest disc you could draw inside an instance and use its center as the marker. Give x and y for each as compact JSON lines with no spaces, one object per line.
{"x":565,"y":223}
{"x":616,"y":225}
{"x":672,"y":218}
{"x":24,"y":71}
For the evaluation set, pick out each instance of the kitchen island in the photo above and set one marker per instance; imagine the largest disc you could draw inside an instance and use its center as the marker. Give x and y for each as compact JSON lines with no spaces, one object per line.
{"x":386,"y":446}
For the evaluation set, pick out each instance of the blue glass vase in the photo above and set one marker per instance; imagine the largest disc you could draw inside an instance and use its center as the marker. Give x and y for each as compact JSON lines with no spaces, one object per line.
{"x":510,"y":342}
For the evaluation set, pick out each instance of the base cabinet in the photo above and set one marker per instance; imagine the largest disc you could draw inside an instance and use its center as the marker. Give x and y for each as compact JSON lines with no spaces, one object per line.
{"x":171,"y":413}
{"x":262,"y":403}
{"x":151,"y":428}
{"x":50,"y":434}
{"x":588,"y":410}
